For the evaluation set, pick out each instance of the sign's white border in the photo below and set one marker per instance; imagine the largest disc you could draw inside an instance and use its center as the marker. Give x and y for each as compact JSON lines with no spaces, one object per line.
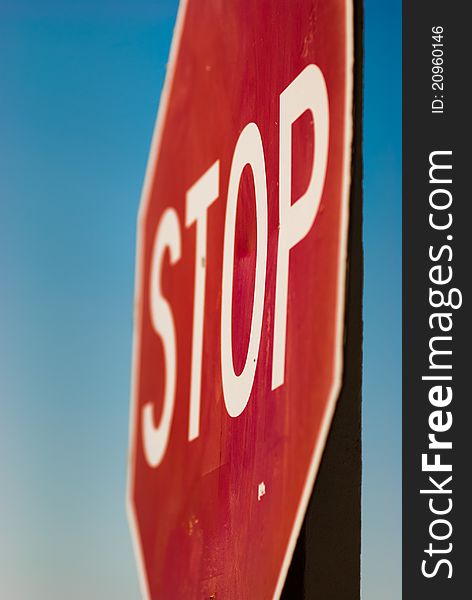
{"x":338,"y":358}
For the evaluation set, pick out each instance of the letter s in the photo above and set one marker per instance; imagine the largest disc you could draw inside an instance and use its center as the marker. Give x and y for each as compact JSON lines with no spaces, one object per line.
{"x":155,"y":439}
{"x":436,"y":568}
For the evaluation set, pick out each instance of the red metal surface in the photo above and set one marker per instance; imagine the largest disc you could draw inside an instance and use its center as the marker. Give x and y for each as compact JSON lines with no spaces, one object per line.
{"x":202,"y":528}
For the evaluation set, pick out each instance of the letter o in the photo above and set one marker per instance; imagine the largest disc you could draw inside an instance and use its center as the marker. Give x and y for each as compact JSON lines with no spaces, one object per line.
{"x":237,"y":388}
{"x":439,"y":522}
{"x":440,"y":191}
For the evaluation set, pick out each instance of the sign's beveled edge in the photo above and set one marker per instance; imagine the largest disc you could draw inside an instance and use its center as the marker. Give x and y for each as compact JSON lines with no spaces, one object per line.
{"x":340,"y":308}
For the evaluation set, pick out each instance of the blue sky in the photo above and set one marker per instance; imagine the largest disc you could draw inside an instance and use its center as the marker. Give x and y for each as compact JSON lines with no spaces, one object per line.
{"x":80,"y":84}
{"x":381,"y":554}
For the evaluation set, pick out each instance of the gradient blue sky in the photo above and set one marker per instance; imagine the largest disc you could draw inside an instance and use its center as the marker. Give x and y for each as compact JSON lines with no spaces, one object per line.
{"x":381,"y":526}
{"x":79,"y":88}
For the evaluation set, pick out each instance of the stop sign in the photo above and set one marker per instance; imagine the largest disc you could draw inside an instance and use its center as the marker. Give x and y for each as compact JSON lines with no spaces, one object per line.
{"x":239,"y":305}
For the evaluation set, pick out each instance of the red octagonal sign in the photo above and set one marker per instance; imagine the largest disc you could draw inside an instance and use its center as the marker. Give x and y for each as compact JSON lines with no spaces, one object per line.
{"x":239,"y":308}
